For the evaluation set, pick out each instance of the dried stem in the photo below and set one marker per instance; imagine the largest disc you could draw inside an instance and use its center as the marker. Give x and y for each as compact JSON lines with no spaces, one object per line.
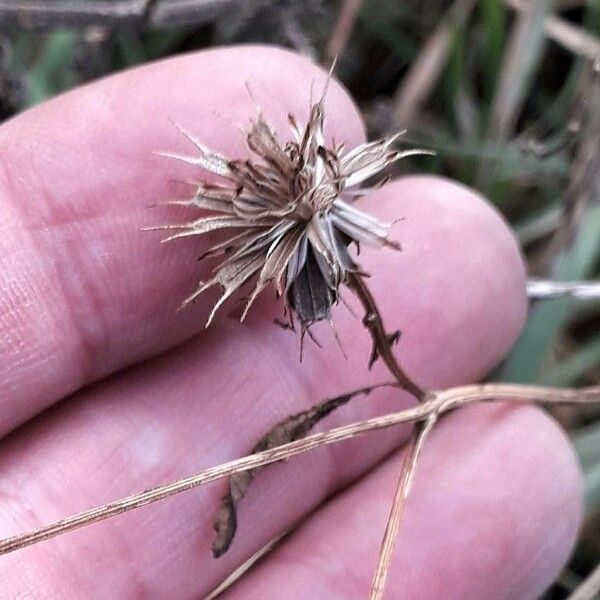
{"x":342,"y":30}
{"x":240,"y":571}
{"x":544,"y":289}
{"x":436,"y":402}
{"x":41,"y":14}
{"x":382,"y":341}
{"x":574,"y":39}
{"x":409,"y":465}
{"x":297,"y":426}
{"x":590,"y":588}
{"x":184,"y":13}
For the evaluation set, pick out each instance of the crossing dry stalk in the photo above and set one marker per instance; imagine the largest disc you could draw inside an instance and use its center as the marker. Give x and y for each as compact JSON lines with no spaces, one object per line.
{"x":434,"y":405}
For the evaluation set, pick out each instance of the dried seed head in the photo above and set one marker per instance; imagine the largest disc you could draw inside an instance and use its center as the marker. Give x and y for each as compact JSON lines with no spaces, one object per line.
{"x":289,"y":215}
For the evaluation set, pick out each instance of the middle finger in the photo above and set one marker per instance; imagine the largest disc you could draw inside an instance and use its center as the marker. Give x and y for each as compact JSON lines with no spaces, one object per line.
{"x":209,"y":401}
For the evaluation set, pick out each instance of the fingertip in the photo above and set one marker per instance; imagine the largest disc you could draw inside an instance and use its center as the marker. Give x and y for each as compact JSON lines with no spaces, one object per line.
{"x":517,"y":496}
{"x":460,"y":272}
{"x":76,"y":176}
{"x":204,"y":92}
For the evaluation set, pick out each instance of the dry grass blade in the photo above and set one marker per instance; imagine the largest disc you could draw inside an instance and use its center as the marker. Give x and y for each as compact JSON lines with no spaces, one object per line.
{"x":342,"y":30}
{"x":409,"y":465}
{"x":423,"y":75}
{"x":436,"y":402}
{"x":522,"y":55}
{"x":572,"y":38}
{"x":244,"y":568}
{"x":589,"y":589}
{"x":540,"y":227}
{"x":566,"y":34}
{"x":181,"y":13}
{"x":582,"y":192}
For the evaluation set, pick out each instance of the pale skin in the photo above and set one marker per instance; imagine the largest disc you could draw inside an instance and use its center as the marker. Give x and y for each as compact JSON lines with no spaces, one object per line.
{"x":139,"y":394}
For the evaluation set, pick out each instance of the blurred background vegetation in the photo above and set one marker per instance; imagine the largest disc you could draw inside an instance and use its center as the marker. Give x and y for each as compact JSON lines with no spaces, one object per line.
{"x":505,"y":91}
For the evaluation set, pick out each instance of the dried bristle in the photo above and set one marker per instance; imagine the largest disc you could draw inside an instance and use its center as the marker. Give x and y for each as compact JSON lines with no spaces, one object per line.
{"x":289,"y":213}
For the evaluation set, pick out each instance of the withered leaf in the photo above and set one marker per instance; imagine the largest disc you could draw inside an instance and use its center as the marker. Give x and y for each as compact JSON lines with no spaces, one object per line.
{"x":293,"y":428}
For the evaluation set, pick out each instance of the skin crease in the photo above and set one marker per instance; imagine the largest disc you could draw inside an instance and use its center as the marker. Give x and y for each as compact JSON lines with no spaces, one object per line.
{"x":497,"y":500}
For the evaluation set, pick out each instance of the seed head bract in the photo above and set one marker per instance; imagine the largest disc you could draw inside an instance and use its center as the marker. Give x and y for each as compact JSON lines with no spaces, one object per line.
{"x":288,"y":214}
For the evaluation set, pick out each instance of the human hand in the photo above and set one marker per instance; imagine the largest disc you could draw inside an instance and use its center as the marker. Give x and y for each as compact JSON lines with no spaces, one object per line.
{"x":86,"y":297}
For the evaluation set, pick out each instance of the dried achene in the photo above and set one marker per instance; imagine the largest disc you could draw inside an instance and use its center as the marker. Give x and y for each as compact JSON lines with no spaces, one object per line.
{"x":288,"y":213}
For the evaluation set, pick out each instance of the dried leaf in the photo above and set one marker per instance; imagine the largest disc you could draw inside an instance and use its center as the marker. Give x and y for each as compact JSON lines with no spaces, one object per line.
{"x":293,"y":428}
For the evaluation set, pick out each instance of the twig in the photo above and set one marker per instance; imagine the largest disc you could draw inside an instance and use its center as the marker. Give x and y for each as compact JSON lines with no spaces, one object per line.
{"x":245,"y":567}
{"x":544,"y":289}
{"x":382,"y":341}
{"x":436,"y":402}
{"x":342,"y":30}
{"x":590,"y":588}
{"x":399,"y":505}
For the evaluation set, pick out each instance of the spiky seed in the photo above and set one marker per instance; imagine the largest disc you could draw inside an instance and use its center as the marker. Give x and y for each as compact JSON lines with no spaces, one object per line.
{"x":289,"y":214}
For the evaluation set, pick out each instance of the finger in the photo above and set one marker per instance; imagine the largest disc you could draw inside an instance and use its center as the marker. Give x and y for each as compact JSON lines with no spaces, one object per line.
{"x":493,"y":513}
{"x":83,"y":291}
{"x":211,"y":400}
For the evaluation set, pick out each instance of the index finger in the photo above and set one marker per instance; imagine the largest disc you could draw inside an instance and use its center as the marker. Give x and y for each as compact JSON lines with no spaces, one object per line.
{"x":82,"y":291}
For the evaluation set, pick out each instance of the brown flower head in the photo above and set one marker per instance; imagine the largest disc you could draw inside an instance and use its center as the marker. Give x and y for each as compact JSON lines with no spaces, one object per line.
{"x":289,"y":214}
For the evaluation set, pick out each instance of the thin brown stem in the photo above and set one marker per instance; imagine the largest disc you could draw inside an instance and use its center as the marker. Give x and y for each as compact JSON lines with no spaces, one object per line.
{"x":382,"y":341}
{"x":299,"y":425}
{"x":436,"y":402}
{"x":240,"y":571}
{"x":342,"y":30}
{"x":390,"y":536}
